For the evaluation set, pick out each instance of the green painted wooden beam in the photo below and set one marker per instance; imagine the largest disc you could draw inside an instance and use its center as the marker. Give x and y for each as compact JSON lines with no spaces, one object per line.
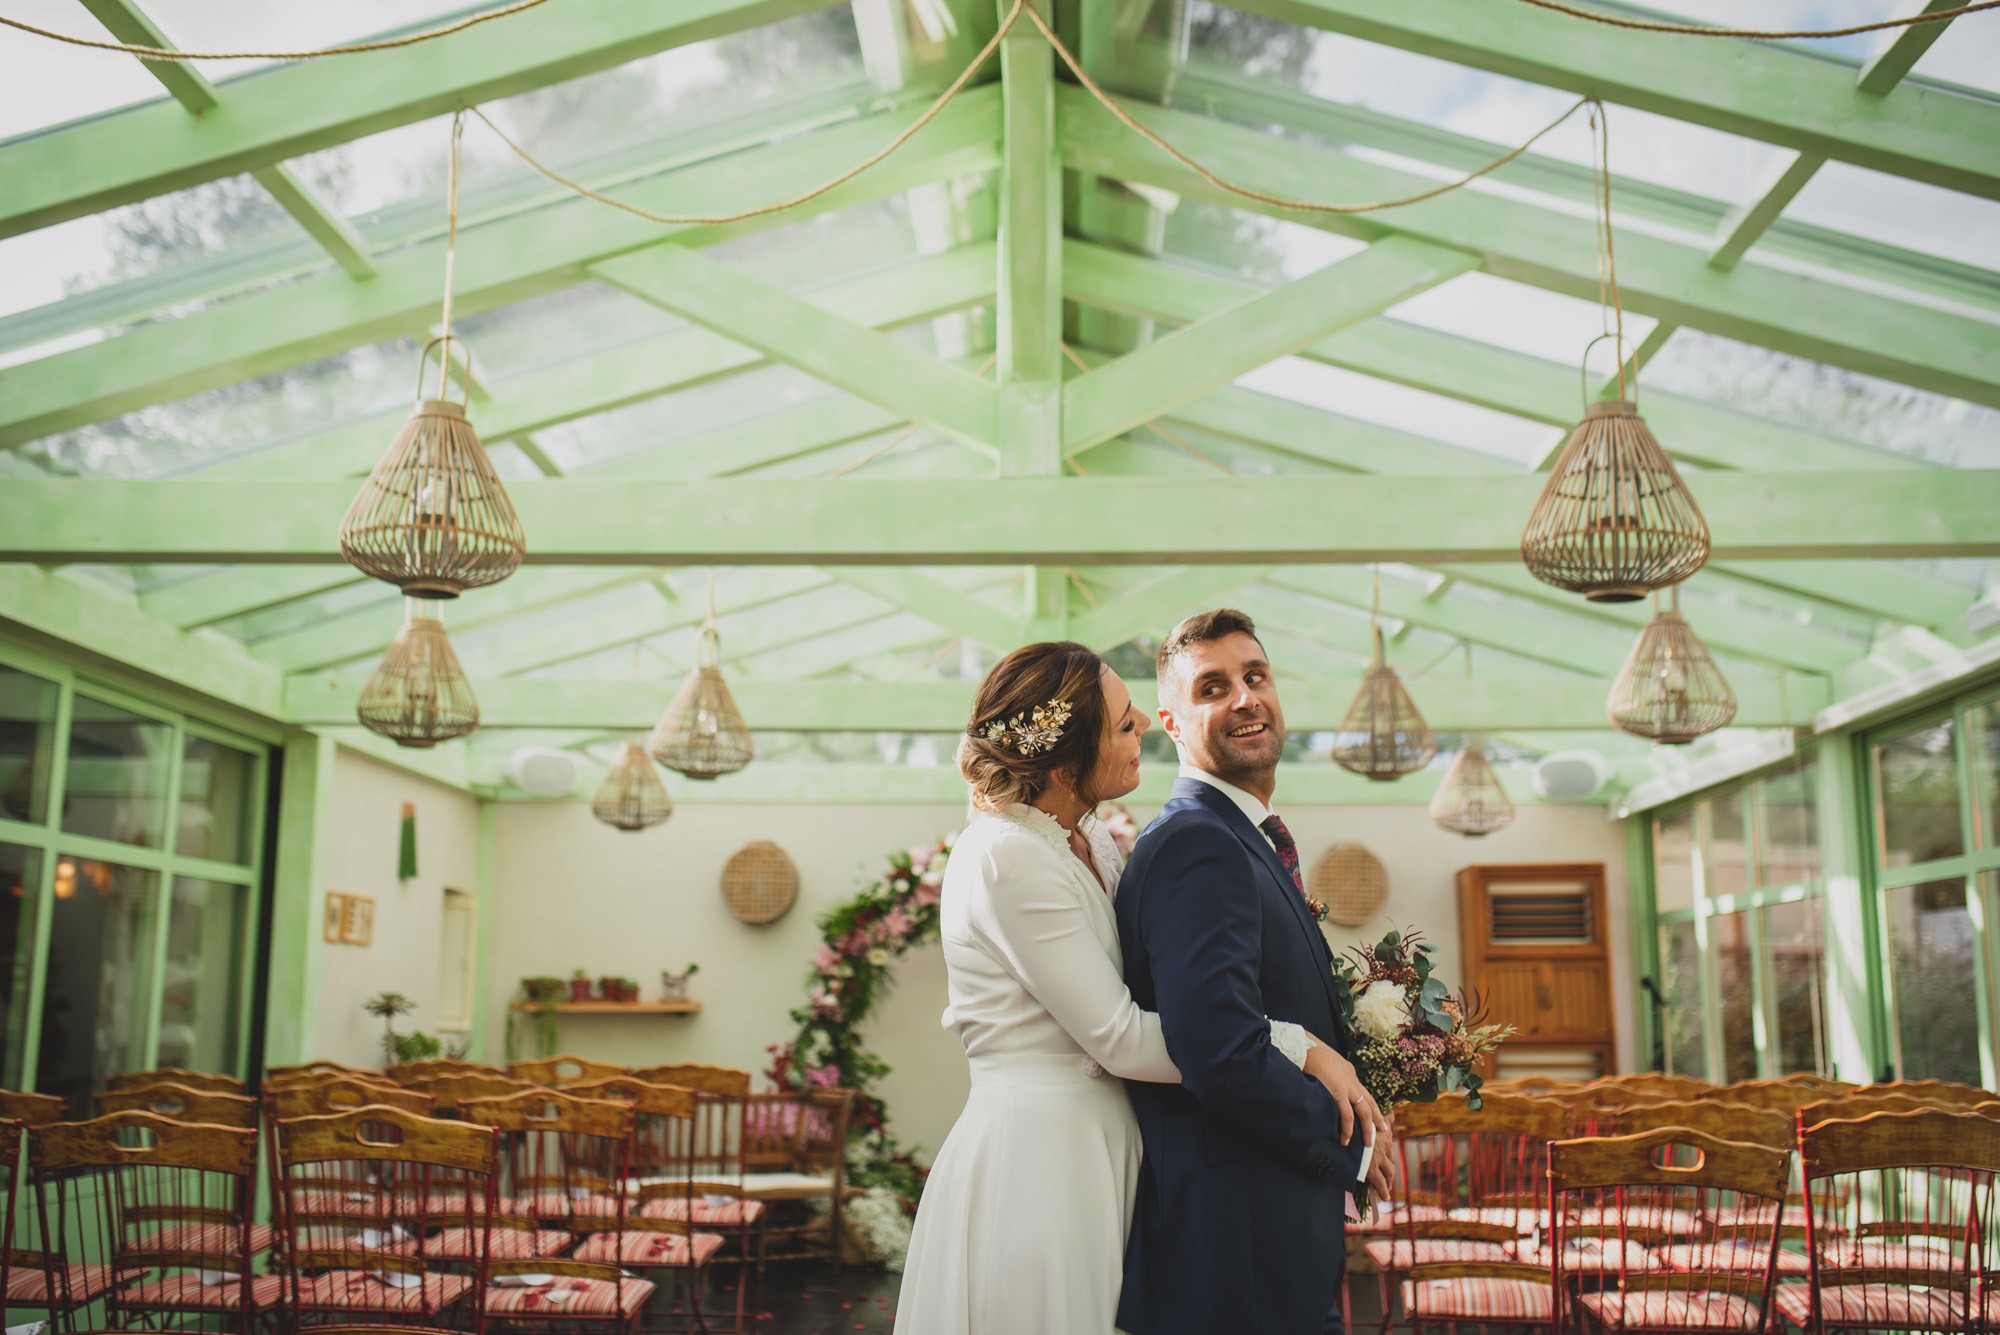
{"x":334,"y":233}
{"x":1745,"y":226}
{"x":299,"y":879}
{"x":103,"y":621}
{"x":1669,"y":280}
{"x":943,"y":604}
{"x":869,"y":365}
{"x":1157,"y":604}
{"x":1469,"y":371}
{"x":1759,"y":91}
{"x":1188,"y":363}
{"x":1030,"y":366}
{"x":526,"y":256}
{"x":778,"y":705}
{"x":284,"y":113}
{"x":1888,"y":66}
{"x":208,"y":598}
{"x":1066,"y":521}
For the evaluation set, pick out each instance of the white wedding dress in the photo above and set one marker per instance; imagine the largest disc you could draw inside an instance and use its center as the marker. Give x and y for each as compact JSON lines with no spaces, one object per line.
{"x":1023,"y":1222}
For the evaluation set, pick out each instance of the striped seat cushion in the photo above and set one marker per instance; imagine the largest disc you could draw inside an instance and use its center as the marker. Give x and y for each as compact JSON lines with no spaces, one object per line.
{"x":504,"y":1244}
{"x":438,"y":1201}
{"x":1395,"y":1253}
{"x":721,"y":1214}
{"x":1593,"y":1256}
{"x":1896,"y":1253}
{"x":555,"y":1203}
{"x":29,"y":1287}
{"x":1793,"y":1217}
{"x":1744,"y":1257}
{"x":1482,"y":1299}
{"x":365,"y":1291}
{"x":568,"y":1296}
{"x":208,"y":1239}
{"x":649,"y":1249}
{"x":1873,"y":1306}
{"x":333,"y":1201}
{"x":1388,"y":1221}
{"x":185,"y":1292}
{"x":1679,"y":1311}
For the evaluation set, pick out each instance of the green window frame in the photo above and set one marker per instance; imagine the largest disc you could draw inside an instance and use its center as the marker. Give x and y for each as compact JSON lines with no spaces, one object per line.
{"x":51,"y":846}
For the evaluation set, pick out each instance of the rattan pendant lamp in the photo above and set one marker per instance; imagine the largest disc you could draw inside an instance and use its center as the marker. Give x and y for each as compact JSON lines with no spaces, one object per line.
{"x":702,"y":735}
{"x":433,"y":518}
{"x":418,"y":695}
{"x":1614,"y":521}
{"x":632,"y":796}
{"x":1471,"y":801}
{"x":1670,"y":689}
{"x":1383,"y":737}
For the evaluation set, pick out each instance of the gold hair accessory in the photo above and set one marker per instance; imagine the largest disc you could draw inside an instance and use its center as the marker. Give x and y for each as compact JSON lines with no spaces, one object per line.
{"x":1041,"y":732}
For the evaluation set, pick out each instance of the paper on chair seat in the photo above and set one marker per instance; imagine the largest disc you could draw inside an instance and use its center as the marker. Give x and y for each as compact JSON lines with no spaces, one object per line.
{"x":754,"y":1184}
{"x":520,"y":1281}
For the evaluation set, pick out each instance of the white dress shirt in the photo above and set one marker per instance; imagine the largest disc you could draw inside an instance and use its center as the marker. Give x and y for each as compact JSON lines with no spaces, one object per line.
{"x":1253,"y":810}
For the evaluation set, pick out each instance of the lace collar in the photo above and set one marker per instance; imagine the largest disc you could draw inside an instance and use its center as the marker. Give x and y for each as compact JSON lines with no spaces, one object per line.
{"x":1047,"y":826}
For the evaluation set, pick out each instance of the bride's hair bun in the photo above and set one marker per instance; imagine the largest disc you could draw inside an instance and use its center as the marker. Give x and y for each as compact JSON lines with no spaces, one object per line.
{"x":1033,"y":677}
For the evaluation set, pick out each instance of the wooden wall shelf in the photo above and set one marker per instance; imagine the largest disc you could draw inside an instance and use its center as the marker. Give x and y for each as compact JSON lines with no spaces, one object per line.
{"x":619,"y":1007}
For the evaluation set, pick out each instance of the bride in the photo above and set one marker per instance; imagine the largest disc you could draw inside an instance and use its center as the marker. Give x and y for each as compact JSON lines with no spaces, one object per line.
{"x":1024,"y":1218}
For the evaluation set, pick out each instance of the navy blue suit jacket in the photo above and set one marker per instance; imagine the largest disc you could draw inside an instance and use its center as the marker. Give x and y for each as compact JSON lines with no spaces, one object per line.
{"x":1239,"y":1223}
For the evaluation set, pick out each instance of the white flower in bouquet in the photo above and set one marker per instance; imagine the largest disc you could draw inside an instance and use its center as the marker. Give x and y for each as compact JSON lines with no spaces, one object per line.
{"x":878,"y":957}
{"x":1381,"y":1011}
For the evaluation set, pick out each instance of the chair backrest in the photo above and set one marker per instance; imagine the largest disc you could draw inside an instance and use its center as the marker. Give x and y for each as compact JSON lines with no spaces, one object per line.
{"x":182,"y":1104}
{"x":1711,"y":1208}
{"x":1860,"y":1103}
{"x":726,"y":1081}
{"x":360,"y":1191}
{"x":320,"y":1068}
{"x":154,"y":1197}
{"x":32,"y":1109}
{"x":1946,"y":1093}
{"x":1899,"y":1199}
{"x":563,"y":1159}
{"x":1714,"y":1117}
{"x":564,"y":1070}
{"x":204,"y":1080}
{"x":451,"y":1091}
{"x":661,"y":1162}
{"x":1488,"y":1165}
{"x":11,"y":1141}
{"x":404,"y":1073}
{"x":334,"y":1094}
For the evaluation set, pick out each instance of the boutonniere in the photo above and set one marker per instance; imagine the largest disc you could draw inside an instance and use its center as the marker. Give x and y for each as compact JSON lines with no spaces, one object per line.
{"x":1317,"y":909}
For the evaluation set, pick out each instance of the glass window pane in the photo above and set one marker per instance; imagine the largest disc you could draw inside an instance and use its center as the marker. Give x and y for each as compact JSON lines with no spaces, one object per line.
{"x":1931,"y":959}
{"x":27,"y":744}
{"x":1794,"y":937}
{"x":1680,"y":963}
{"x":1788,"y":841}
{"x":20,"y":875}
{"x":117,"y":776}
{"x":93,"y":1009}
{"x":1916,"y":776}
{"x":217,"y":801}
{"x":202,"y":976}
{"x":1728,"y":849}
{"x":1673,"y":861}
{"x":1984,"y":723}
{"x":1730,"y":934}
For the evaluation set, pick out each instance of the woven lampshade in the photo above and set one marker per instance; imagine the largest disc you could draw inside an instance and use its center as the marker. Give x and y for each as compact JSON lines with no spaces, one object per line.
{"x":419,"y":695}
{"x":760,"y":883}
{"x":1383,"y":736}
{"x":433,"y":518}
{"x":1471,"y":801}
{"x":1670,"y":688}
{"x":702,"y":734}
{"x":632,"y":796}
{"x":1614,"y":521}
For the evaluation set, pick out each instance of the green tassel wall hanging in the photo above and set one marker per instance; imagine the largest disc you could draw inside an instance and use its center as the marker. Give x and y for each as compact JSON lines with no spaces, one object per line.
{"x":406,"y":859}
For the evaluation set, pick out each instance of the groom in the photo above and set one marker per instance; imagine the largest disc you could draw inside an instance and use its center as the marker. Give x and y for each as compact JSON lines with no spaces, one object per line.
{"x":1239,"y":1224}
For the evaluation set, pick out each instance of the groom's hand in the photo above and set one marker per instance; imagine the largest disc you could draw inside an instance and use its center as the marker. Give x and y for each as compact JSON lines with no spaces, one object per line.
{"x":1381,"y":1169}
{"x":1356,"y":1104}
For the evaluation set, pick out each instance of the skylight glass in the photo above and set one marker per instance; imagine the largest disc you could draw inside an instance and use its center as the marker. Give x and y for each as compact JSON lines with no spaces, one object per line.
{"x":49,"y":82}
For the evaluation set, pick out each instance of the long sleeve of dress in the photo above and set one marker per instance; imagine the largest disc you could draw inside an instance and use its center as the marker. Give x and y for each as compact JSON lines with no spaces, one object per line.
{"x":1029,"y":917}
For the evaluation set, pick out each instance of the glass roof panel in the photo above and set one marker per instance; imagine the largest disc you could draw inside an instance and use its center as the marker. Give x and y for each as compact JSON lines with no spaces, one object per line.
{"x":1968,"y":54}
{"x":49,"y":82}
{"x":1520,"y":318}
{"x":1761,"y":382}
{"x":236,"y":25}
{"x":1500,"y":435}
{"x":1785,"y":15}
{"x":1902,"y":212}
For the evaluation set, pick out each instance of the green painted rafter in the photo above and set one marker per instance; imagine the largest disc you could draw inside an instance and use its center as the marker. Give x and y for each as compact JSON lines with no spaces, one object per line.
{"x":943,"y":604}
{"x":1155,"y":604}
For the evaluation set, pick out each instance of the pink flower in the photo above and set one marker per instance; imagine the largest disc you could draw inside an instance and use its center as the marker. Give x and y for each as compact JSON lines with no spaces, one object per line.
{"x":928,"y":894}
{"x":920,"y":857}
{"x":824,"y":959}
{"x":823,"y":1077}
{"x":857,"y":943}
{"x":896,"y":923}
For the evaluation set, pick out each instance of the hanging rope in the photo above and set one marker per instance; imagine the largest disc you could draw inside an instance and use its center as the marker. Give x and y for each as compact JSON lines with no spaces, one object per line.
{"x":351,"y":49}
{"x":1696,"y":30}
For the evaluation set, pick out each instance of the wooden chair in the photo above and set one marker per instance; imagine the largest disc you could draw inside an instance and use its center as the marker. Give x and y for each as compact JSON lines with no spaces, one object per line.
{"x":311,"y":1070}
{"x":182,"y":1104}
{"x":563,"y":1162}
{"x":24,"y":1260}
{"x":1716,"y":1277}
{"x":1914,"y":1198}
{"x":1860,"y":1103}
{"x":1946,"y":1093}
{"x":161,"y":1212}
{"x":336,"y":1094}
{"x":405,"y":1073}
{"x":795,"y":1152}
{"x":1472,"y":1189}
{"x":174,"y":1075}
{"x":718,"y":1199}
{"x":354,"y":1198}
{"x":565,"y":1070}
{"x":451,"y":1090}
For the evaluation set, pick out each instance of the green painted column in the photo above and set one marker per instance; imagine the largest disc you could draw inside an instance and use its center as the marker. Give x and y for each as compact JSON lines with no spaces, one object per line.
{"x":486,"y":1047}
{"x":1854,"y":996}
{"x":304,"y":811}
{"x":1643,"y":937}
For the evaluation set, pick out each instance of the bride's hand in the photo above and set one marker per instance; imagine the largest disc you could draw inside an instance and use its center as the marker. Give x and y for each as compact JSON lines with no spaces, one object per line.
{"x":1357,"y":1106}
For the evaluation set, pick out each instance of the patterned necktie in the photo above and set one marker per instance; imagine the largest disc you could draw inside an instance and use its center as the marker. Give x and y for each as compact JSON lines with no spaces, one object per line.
{"x":1288,"y":848}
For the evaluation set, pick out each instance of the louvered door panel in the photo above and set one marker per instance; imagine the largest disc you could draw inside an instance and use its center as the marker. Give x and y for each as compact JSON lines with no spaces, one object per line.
{"x":1535,"y":953}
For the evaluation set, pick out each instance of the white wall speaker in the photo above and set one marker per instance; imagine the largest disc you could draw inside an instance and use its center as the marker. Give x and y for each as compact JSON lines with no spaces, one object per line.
{"x":543,"y":771}
{"x":1571,"y":776}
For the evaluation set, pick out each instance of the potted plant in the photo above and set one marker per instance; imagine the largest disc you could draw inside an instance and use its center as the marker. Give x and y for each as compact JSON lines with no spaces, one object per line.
{"x":579,"y":986}
{"x":542,"y":991}
{"x":674,"y":986}
{"x":607,"y":987}
{"x":387,"y":1006}
{"x":628,"y":990}
{"x":539,"y":998}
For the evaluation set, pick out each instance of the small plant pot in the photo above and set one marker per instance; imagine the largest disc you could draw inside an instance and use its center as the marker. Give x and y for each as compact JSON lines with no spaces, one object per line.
{"x":607,"y":988}
{"x":673,"y":986}
{"x":541,"y":991}
{"x":579,"y":989}
{"x":628,"y":992}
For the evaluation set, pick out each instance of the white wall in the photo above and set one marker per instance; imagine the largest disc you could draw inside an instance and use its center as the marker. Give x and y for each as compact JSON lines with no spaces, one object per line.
{"x":572,"y":893}
{"x":366,"y":815}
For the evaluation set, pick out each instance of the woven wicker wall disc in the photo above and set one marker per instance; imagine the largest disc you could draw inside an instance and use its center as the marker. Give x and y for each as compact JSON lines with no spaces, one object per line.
{"x":760,"y":883}
{"x":1351,"y":882}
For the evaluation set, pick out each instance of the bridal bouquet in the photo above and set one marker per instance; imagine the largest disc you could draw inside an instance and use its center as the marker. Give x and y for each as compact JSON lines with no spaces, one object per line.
{"x":1414,"y":1039}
